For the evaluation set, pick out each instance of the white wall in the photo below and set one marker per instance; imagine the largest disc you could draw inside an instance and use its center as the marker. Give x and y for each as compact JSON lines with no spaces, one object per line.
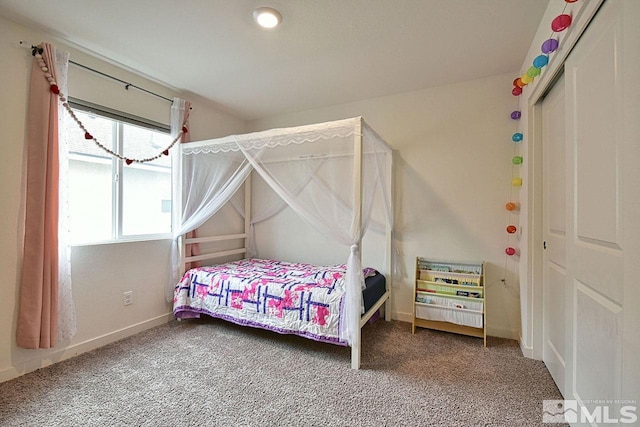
{"x":453,"y":177}
{"x":101,"y":273}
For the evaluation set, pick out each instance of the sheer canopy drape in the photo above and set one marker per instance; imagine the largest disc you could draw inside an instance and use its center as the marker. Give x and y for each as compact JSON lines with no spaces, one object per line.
{"x":208,"y":182}
{"x":330,"y":174}
{"x":46,"y":312}
{"x":180,"y":110}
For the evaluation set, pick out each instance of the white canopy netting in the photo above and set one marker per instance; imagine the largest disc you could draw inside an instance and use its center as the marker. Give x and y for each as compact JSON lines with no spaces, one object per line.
{"x":331,"y":174}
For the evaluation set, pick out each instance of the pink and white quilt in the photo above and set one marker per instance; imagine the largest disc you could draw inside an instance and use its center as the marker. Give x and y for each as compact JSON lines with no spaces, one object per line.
{"x":289,"y":298}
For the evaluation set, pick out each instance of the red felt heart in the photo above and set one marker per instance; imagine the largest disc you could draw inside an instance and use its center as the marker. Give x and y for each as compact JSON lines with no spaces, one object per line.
{"x":184,"y":129}
{"x":87,"y":135}
{"x":55,"y":89}
{"x":129,"y":161}
{"x":165,"y":152}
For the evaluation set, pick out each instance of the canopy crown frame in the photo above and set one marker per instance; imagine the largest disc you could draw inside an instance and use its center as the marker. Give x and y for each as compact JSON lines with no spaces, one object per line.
{"x":354,"y":128}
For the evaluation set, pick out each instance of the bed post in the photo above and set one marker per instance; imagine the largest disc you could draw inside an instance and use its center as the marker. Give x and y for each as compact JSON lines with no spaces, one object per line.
{"x":178,"y":205}
{"x":182,"y":250}
{"x":247,"y":213}
{"x":389,"y":236}
{"x":357,"y":221}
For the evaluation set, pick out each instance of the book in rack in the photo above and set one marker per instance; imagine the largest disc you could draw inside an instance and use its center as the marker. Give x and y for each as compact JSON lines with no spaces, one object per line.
{"x":449,"y":296}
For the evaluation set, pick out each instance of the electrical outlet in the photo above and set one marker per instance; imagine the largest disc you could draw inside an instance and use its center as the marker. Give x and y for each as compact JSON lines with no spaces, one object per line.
{"x":128,"y":298}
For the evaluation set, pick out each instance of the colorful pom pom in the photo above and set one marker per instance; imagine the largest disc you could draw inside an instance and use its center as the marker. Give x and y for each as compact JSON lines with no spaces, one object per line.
{"x":533,"y":72}
{"x":561,"y":23}
{"x":549,"y":46}
{"x":540,"y":61}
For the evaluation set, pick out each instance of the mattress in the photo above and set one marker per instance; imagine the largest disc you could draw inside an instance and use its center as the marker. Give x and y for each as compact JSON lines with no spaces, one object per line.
{"x":290,"y":298}
{"x":375,"y":287}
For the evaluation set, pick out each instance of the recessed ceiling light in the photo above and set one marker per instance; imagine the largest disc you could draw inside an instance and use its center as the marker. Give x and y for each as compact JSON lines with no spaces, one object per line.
{"x":267,"y":17}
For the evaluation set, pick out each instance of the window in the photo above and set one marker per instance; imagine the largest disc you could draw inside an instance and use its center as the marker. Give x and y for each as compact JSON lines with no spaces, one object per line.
{"x":108,"y":199}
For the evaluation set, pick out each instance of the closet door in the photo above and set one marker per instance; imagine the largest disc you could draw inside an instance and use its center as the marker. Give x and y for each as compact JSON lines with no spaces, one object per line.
{"x":591,"y":264}
{"x":594,"y":209}
{"x":554,"y":286}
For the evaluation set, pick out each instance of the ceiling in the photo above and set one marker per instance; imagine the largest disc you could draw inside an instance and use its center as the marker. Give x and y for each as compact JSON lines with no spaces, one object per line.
{"x":325,"y":52}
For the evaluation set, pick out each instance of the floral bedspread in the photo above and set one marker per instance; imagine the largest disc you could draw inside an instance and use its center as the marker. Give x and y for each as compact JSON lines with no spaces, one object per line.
{"x":291,"y":298}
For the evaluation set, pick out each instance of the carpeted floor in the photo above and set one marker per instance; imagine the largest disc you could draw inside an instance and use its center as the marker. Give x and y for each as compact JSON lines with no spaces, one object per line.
{"x":212,"y":373}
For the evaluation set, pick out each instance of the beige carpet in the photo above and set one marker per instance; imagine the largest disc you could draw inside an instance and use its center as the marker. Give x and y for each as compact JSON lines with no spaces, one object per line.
{"x":213,"y":373}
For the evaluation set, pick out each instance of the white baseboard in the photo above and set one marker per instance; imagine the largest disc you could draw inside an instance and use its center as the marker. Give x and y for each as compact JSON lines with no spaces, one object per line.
{"x":82,"y":347}
{"x":502,"y":333}
{"x":527,"y":350}
{"x":403,"y":317}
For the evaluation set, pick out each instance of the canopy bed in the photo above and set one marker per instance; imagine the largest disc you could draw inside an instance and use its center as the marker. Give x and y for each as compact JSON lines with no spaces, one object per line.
{"x":337,"y":176}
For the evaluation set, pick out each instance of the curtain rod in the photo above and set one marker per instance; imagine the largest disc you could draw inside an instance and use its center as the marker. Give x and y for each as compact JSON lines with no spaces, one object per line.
{"x":127,"y":85}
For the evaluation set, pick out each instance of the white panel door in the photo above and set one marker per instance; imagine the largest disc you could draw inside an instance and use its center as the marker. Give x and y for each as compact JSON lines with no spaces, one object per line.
{"x":594,"y":239}
{"x":554,"y":225}
{"x":591,"y":264}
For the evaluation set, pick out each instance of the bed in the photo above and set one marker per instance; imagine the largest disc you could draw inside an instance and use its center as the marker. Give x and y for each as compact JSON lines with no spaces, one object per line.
{"x":288,"y":298}
{"x":336,"y":176}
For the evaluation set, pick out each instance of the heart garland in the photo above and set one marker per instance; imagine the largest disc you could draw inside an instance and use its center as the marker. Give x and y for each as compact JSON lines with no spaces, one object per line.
{"x":53,"y":87}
